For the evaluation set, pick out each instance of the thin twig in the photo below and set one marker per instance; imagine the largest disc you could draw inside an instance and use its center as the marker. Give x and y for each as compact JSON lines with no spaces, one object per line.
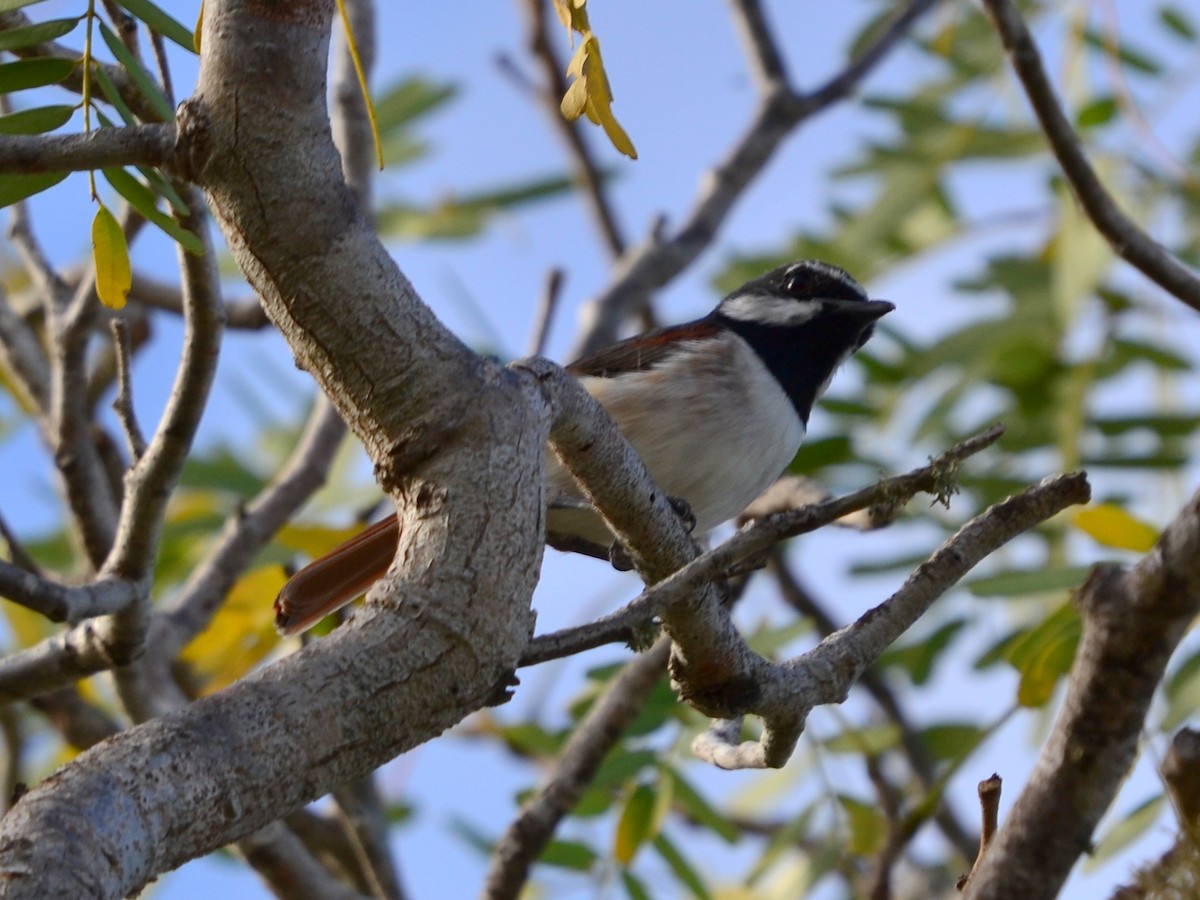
{"x":123,"y":403}
{"x":759,"y":47}
{"x":366,"y":825}
{"x":545,"y":312}
{"x":1125,"y":236}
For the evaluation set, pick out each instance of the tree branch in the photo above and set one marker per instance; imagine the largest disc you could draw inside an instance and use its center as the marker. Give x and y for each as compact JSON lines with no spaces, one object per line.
{"x":1133,"y":619}
{"x":590,"y":741}
{"x":782,"y":694}
{"x":1127,"y":239}
{"x":656,"y":261}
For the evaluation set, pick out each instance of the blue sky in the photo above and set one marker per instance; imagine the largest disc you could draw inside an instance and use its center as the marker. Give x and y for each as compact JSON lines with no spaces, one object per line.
{"x":683,"y":94}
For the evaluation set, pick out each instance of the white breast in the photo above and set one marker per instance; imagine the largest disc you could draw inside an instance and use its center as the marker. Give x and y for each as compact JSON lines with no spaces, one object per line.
{"x":714,"y":429}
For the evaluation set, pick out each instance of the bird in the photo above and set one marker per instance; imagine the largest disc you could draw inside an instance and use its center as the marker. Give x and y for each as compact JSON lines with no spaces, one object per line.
{"x":716,"y":408}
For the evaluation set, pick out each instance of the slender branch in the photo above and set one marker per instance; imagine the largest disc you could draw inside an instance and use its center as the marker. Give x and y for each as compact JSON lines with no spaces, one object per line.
{"x":241,"y":313}
{"x":593,"y":737}
{"x":123,"y":404}
{"x":81,"y":724}
{"x":151,"y":479}
{"x":135,"y":145}
{"x":659,"y":259}
{"x":1125,"y":236}
{"x":783,"y":694}
{"x":911,"y":743}
{"x":283,"y":862}
{"x":545,"y":312}
{"x":62,"y":603}
{"x":759,"y":47}
{"x":1133,"y":619}
{"x":366,"y":825}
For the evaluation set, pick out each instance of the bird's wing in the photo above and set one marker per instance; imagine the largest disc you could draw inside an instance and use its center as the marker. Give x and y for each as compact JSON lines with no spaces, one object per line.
{"x":636,"y":354}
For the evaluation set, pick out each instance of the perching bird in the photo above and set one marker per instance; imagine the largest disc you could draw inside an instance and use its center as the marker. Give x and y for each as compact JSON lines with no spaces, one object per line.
{"x":716,"y":408}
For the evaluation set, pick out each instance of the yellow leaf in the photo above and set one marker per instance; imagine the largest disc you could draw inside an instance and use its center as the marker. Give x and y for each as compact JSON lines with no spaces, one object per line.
{"x":361,"y":75}
{"x":590,"y":93}
{"x":1111,"y":526}
{"x":111,"y":254}
{"x":636,"y":824}
{"x":241,"y":633}
{"x":314,"y":540}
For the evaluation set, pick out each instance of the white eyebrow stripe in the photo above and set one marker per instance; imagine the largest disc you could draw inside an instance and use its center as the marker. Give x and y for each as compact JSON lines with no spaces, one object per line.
{"x":769,"y":309}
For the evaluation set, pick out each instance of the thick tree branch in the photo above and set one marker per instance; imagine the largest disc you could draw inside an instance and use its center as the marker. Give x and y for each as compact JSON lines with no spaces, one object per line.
{"x":1127,"y":239}
{"x":432,"y":416}
{"x":1133,"y":619}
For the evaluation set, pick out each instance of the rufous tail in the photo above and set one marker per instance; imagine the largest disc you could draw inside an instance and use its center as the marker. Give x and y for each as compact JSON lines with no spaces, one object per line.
{"x":330,"y":582}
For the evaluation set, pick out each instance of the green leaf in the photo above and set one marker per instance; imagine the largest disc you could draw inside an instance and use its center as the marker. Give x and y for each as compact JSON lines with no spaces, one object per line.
{"x":1164,"y":425}
{"x":1042,"y":655}
{"x":143,"y":200}
{"x":145,"y":84}
{"x":161,"y":22}
{"x":868,"y":828}
{"x":10,"y":5}
{"x":113,"y":96}
{"x":815,"y":455}
{"x":692,"y":802}
{"x":620,"y":765}
{"x":531,"y":739}
{"x":952,"y":741}
{"x":466,"y":215}
{"x":34,"y":73}
{"x":408,"y":100}
{"x":636,"y":824}
{"x":1123,"y":833}
{"x":680,"y":866}
{"x":36,"y":121}
{"x":114,"y":275}
{"x":1182,"y":692}
{"x":1022,"y":582}
{"x":634,"y":887}
{"x":1177,"y":22}
{"x":15,"y":187}
{"x":870,"y":740}
{"x":1100,"y":111}
{"x":569,"y":855}
{"x":38,"y":33}
{"x":1133,"y":59}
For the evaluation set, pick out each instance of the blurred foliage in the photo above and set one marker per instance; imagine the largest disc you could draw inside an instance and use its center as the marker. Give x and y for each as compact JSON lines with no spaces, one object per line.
{"x":1042,"y":330}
